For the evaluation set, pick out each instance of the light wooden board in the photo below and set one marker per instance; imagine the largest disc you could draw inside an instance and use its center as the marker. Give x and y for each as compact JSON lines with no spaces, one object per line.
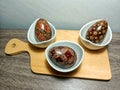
{"x":94,"y":66}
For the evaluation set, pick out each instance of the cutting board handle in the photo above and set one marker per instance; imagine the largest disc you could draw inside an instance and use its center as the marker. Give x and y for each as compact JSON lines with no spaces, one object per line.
{"x":15,"y":46}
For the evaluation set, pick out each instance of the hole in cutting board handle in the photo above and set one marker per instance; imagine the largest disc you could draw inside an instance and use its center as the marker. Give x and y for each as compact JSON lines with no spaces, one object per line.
{"x":16,"y":46}
{"x":13,"y":45}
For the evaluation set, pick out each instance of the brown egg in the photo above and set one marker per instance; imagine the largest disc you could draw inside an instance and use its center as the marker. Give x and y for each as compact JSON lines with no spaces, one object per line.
{"x":97,"y":31}
{"x":63,"y":56}
{"x":42,"y":30}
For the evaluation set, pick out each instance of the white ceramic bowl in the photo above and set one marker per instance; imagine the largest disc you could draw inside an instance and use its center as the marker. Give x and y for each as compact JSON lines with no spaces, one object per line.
{"x":32,"y":38}
{"x":76,"y":47}
{"x":91,"y":45}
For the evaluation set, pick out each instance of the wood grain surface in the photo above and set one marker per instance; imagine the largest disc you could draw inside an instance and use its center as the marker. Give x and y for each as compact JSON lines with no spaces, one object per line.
{"x":15,"y":72}
{"x":91,"y":67}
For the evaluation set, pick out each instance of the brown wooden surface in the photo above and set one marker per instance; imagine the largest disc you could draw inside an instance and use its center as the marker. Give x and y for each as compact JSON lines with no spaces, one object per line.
{"x":91,"y":67}
{"x":15,"y":72}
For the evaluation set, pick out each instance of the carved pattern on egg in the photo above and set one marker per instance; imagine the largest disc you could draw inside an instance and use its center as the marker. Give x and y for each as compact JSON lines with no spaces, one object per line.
{"x":42,"y":30}
{"x":97,"y":31}
{"x":62,"y":56}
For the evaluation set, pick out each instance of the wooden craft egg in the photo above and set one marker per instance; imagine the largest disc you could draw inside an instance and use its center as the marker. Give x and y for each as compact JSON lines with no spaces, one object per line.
{"x":62,"y":56}
{"x":97,"y":31}
{"x":42,"y":30}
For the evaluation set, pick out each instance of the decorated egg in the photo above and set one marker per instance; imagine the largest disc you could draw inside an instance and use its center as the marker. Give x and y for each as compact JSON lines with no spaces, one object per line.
{"x":42,"y":30}
{"x":62,"y":56}
{"x":97,"y":31}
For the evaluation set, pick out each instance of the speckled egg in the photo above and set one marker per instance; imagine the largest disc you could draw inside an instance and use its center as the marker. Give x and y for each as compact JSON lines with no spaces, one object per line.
{"x":97,"y":31}
{"x":42,"y":30}
{"x":63,"y":56}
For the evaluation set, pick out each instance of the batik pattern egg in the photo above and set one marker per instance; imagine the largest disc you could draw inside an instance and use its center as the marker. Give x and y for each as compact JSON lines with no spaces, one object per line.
{"x":63,"y":56}
{"x":97,"y":31}
{"x":42,"y":30}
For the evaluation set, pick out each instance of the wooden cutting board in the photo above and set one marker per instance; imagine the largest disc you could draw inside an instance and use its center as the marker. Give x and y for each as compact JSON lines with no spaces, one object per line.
{"x":94,"y":66}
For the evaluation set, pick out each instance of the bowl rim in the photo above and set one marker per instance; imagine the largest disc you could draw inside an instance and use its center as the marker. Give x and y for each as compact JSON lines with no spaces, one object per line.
{"x":41,"y":41}
{"x":64,"y":70}
{"x":93,"y":21}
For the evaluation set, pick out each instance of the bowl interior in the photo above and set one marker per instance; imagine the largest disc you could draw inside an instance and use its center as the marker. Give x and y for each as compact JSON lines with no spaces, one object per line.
{"x":77,"y":48}
{"x":106,"y":39}
{"x":31,"y":33}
